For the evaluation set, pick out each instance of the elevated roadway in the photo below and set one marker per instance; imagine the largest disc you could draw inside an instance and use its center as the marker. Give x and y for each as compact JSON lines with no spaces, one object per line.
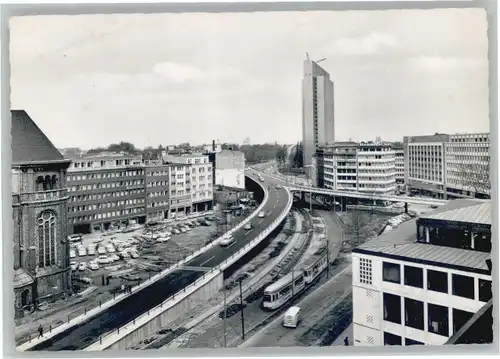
{"x":81,"y":336}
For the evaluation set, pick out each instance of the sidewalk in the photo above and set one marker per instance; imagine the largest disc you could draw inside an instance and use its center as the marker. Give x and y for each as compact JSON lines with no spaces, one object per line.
{"x":346,"y":333}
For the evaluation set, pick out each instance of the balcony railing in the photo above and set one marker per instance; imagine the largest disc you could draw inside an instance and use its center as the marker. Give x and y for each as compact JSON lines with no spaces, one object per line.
{"x":53,"y":195}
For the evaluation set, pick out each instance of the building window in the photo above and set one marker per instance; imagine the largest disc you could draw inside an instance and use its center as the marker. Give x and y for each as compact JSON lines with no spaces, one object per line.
{"x":409,"y":341}
{"x":392,"y":308}
{"x":391,"y":339}
{"x":437,"y":281}
{"x":414,"y":313}
{"x":365,"y":271}
{"x":460,"y":317}
{"x":414,"y":276}
{"x":438,"y":319}
{"x":391,"y":272}
{"x":462,"y":286}
{"x":484,"y":290}
{"x":46,"y":239}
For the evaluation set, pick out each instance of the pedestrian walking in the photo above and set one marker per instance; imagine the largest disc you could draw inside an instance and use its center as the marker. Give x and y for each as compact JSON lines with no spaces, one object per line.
{"x":123,"y":288}
{"x":103,"y":280}
{"x":40,"y":331}
{"x":346,"y":341}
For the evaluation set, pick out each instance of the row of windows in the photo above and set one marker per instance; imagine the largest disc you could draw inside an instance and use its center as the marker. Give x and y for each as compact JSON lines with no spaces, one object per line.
{"x":157,"y":194}
{"x":391,"y":339}
{"x":437,"y":281}
{"x":93,"y":207}
{"x":100,"y":175}
{"x":414,"y":317}
{"x":106,"y":215}
{"x":89,"y":187}
{"x":470,"y":138}
{"x":94,"y":197}
{"x":158,"y":173}
{"x":471,"y":149}
{"x":157,"y":204}
{"x":157,"y":184}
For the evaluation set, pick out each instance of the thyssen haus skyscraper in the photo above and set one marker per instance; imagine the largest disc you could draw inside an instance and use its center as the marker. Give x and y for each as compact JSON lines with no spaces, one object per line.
{"x":317,"y":109}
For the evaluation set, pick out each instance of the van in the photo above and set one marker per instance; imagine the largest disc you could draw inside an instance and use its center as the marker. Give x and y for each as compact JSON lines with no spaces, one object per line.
{"x":292,"y":317}
{"x":74,"y":238}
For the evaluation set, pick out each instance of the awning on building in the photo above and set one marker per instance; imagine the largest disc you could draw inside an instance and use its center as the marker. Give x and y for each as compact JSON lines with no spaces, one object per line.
{"x":22,"y":278}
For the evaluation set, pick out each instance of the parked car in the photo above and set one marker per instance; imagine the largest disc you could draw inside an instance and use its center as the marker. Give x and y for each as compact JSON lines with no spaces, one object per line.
{"x":75,"y":238}
{"x":176,"y":231}
{"x":73,"y":265}
{"x":72,"y":253}
{"x":110,"y":248}
{"x":91,"y":250}
{"x":82,"y":266}
{"x":82,"y":252}
{"x":134,"y":254}
{"x":101,"y":250}
{"x":104,"y":260}
{"x":124,"y":254}
{"x":115,"y":257}
{"x":93,"y":265}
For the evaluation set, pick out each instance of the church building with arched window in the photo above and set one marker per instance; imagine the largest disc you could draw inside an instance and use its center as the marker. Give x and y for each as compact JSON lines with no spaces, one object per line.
{"x":39,"y":203}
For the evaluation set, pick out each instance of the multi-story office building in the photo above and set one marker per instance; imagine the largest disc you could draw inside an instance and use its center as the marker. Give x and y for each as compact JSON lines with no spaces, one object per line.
{"x":421,"y":282}
{"x":201,"y":179}
{"x":39,"y":213}
{"x":350,"y":166}
{"x":468,"y":165}
{"x":399,"y":164}
{"x":445,"y":165}
{"x":424,"y":158}
{"x":180,"y":189}
{"x":157,"y":181}
{"x":318,"y":126}
{"x":106,"y":191}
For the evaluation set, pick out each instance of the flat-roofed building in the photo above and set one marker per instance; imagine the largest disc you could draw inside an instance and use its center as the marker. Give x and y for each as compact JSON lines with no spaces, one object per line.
{"x":106,"y":191}
{"x":467,"y":171}
{"x":157,"y":184}
{"x":364,"y":167}
{"x":422,"y":281}
{"x":201,"y":189}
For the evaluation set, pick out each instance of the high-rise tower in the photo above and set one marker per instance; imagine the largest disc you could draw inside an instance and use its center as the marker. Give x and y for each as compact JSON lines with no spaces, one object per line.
{"x":318,"y":123}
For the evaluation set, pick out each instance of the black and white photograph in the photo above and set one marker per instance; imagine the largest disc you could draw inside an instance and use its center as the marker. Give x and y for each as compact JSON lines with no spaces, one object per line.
{"x":264,"y":179}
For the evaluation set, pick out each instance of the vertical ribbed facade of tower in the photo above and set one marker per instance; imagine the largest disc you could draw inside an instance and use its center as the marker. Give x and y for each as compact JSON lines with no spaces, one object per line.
{"x":318,"y":124}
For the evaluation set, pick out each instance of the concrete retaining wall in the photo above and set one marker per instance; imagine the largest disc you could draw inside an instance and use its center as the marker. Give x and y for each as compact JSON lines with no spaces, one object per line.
{"x":162,"y":321}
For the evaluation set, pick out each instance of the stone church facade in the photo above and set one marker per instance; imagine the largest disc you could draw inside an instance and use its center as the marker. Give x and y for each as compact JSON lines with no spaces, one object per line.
{"x":40,"y":205}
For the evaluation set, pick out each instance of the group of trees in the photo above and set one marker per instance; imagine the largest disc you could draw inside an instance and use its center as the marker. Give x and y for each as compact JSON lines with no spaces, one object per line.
{"x":262,"y":153}
{"x":116,"y":147}
{"x":297,"y":156}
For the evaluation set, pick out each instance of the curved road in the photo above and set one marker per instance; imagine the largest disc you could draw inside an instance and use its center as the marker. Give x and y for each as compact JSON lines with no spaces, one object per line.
{"x":79,"y":337}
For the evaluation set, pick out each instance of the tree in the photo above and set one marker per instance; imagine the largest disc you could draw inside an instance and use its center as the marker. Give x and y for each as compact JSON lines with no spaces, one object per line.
{"x":298,"y":160}
{"x":281,"y":156}
{"x":475,"y":177}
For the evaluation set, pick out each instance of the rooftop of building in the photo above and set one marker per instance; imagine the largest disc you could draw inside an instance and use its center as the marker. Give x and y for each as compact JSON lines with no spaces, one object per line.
{"x":401,"y":242}
{"x":104,"y":156}
{"x":474,"y":211}
{"x":29,"y":143}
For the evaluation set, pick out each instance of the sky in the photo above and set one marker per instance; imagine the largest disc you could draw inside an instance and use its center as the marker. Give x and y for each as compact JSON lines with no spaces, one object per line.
{"x":150,"y":79}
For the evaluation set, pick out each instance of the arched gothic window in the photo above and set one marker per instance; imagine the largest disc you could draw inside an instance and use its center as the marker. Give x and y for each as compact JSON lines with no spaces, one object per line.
{"x":54,"y":182}
{"x":47,"y":183}
{"x":39,"y":183}
{"x":46,"y":239}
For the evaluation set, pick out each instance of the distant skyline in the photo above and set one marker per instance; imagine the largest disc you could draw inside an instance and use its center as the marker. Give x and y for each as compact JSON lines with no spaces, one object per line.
{"x":149,"y":79}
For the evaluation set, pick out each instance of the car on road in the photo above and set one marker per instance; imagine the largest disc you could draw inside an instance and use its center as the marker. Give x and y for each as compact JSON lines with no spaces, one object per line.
{"x":434,"y":206}
{"x":262,"y":214}
{"x":227,"y":240}
{"x":73,"y":265}
{"x":82,"y":266}
{"x":278,"y":186}
{"x":248,"y":226}
{"x":292,"y":317}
